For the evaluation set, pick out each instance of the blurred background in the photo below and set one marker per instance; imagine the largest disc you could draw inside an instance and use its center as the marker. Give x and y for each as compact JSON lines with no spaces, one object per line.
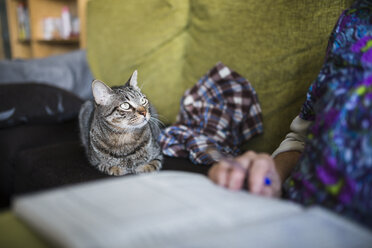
{"x":41,"y":28}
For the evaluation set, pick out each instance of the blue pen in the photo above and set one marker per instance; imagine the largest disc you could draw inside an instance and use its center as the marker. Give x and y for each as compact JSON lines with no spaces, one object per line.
{"x":267,"y":181}
{"x":217,"y":156}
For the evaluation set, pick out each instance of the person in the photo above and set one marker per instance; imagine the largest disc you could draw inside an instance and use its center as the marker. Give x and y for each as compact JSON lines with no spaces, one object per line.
{"x":327,"y":157}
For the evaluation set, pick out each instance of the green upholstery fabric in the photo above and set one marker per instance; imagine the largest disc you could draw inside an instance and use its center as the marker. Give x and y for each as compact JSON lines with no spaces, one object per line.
{"x":278,"y":45}
{"x":144,"y":35}
{"x":14,"y":233}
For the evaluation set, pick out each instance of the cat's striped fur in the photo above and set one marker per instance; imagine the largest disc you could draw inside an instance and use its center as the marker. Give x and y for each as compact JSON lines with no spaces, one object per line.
{"x":119,"y":130}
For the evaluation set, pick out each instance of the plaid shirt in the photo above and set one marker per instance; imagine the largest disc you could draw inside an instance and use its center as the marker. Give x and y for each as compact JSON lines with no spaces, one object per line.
{"x":221,"y":112}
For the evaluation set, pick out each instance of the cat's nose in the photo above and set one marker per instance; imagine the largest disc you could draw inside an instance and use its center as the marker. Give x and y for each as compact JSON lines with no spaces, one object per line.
{"x":141,"y":111}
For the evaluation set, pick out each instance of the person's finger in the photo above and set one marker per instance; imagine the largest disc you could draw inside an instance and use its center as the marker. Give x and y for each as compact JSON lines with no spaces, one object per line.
{"x":267,"y":191}
{"x":222,"y":173}
{"x":275,"y":185}
{"x":212,"y":173}
{"x":215,"y":170}
{"x":257,"y":172}
{"x":246,"y":159}
{"x":236,"y":178}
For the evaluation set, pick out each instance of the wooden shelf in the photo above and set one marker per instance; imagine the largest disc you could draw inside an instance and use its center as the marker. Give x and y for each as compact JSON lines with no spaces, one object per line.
{"x":37,"y":46}
{"x":59,"y":41}
{"x":24,"y":40}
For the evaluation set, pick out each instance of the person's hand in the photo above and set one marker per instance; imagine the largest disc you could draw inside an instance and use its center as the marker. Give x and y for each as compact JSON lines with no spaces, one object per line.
{"x":249,"y":170}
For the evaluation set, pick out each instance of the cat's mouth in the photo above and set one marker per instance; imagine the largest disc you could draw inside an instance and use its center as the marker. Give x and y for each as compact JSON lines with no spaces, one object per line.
{"x":134,"y":124}
{"x":140,"y":124}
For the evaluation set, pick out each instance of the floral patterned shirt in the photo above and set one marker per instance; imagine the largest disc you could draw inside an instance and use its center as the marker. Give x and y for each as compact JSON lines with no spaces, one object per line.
{"x":335,"y":169}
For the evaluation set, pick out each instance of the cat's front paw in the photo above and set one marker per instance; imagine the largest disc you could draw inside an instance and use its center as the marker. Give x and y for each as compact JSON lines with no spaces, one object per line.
{"x":116,"y":171}
{"x":152,"y":166}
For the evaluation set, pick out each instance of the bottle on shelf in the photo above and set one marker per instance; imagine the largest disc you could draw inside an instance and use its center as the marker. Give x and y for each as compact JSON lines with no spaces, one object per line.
{"x":65,"y":23}
{"x":23,"y":22}
{"x":64,"y":27}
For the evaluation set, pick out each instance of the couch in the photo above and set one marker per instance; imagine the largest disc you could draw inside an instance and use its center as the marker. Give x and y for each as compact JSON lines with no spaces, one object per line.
{"x":278,"y":45}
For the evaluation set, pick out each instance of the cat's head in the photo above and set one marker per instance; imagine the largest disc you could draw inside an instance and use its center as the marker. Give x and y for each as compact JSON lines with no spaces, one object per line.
{"x":123,"y":107}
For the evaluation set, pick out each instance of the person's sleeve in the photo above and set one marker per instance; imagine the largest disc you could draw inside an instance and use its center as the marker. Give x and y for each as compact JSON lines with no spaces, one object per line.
{"x":295,"y":140}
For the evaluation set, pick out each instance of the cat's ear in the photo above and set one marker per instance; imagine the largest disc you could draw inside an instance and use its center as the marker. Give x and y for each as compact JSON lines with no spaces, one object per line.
{"x":133,"y":80}
{"x":101,"y":92}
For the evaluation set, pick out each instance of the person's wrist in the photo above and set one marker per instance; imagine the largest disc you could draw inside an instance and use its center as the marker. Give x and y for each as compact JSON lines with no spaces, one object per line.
{"x":285,"y":163}
{"x":281,"y":176}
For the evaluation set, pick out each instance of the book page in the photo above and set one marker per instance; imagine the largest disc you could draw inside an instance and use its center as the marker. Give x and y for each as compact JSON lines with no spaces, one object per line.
{"x":314,"y":227}
{"x":166,"y":209}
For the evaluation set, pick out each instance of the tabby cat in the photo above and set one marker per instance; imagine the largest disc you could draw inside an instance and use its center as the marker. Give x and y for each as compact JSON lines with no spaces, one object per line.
{"x":119,"y":130}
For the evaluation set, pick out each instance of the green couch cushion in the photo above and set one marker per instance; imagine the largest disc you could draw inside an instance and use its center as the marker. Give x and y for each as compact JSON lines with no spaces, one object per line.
{"x":278,"y":45}
{"x":14,"y":233}
{"x":144,"y":35}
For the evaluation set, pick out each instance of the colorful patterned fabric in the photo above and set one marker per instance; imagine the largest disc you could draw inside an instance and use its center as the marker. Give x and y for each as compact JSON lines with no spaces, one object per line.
{"x":336,"y":167}
{"x":221,"y":111}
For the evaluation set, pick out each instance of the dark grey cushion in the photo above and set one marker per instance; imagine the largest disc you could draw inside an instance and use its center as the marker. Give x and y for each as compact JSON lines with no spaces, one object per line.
{"x":36,"y":103}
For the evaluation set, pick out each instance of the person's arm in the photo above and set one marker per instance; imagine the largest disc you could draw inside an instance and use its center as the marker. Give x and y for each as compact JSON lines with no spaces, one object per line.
{"x":285,"y":163}
{"x":259,"y":166}
{"x":290,"y":149}
{"x":295,"y":140}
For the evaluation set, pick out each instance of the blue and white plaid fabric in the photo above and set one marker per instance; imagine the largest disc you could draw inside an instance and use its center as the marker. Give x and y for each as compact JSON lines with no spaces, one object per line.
{"x":221,"y":112}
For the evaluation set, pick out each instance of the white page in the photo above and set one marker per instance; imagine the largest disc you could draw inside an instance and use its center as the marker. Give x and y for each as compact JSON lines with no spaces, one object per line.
{"x":167,"y":209}
{"x":314,"y":227}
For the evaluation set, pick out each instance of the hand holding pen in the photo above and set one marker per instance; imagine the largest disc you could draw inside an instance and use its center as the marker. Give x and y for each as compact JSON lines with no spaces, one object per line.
{"x":251,"y":171}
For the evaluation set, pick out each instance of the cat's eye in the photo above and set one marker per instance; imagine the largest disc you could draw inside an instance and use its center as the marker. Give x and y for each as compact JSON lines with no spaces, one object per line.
{"x":125,"y":106}
{"x":144,"y":101}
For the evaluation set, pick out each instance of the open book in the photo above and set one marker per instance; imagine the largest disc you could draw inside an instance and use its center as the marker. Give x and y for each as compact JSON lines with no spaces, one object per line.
{"x":179,"y":209}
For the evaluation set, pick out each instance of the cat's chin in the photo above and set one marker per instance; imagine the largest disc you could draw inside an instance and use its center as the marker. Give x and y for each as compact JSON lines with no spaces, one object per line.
{"x":134,"y":126}
{"x":140,"y":125}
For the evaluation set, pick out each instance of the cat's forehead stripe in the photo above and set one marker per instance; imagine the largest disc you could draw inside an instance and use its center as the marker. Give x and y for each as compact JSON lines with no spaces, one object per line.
{"x":133,"y":94}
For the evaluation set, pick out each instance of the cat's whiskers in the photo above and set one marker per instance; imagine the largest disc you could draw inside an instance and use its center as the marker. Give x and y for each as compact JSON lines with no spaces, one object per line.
{"x":158,"y":117}
{"x":157,"y":121}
